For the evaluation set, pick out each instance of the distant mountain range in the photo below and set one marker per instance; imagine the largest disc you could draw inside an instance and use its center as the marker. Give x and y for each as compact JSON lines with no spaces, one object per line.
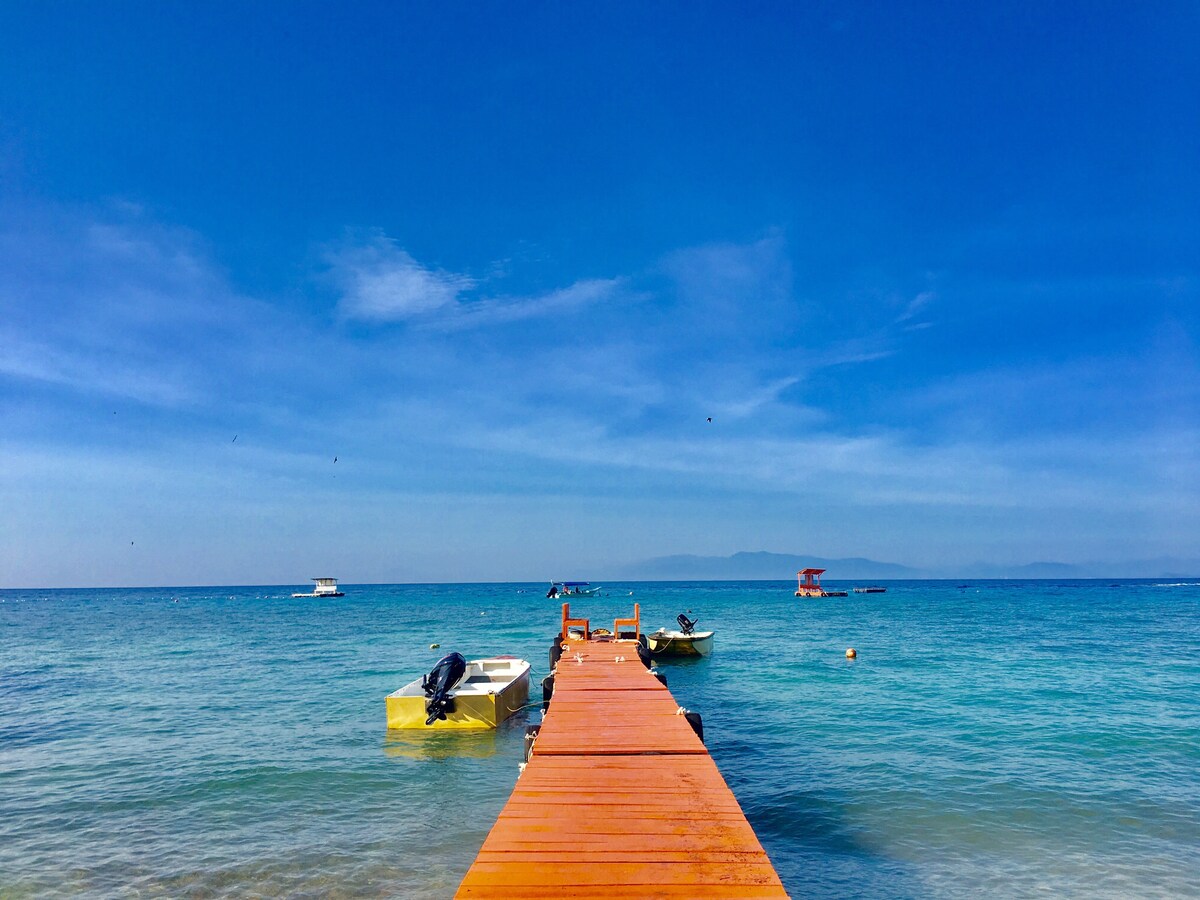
{"x":759,"y":565}
{"x":765,"y":566}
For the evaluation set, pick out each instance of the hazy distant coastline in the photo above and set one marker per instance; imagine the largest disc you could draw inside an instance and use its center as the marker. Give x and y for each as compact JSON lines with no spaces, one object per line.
{"x":763,"y":565}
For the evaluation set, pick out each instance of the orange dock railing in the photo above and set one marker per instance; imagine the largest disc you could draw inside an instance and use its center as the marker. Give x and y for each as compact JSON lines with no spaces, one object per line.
{"x":619,"y":797}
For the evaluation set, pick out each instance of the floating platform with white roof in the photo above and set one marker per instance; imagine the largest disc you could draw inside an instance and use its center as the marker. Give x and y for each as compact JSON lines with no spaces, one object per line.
{"x":324,"y":587}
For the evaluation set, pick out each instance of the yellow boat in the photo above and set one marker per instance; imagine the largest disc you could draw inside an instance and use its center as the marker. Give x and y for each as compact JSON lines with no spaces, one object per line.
{"x":488,"y":692}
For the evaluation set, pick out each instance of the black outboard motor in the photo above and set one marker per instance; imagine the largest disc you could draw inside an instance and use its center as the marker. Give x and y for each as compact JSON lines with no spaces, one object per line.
{"x":438,"y":684}
{"x":685,"y":624}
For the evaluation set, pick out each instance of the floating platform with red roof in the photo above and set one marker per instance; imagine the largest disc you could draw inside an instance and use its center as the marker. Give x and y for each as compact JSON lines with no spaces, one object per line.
{"x":619,"y":797}
{"x":809,"y":585}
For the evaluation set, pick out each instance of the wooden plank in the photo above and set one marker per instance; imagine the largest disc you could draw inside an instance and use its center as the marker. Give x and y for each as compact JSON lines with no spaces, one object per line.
{"x":622,"y":892}
{"x":567,"y":873}
{"x":544,"y":813}
{"x":572,"y":795}
{"x":618,"y":743}
{"x":628,"y":810}
{"x":615,"y":841}
{"x":652,"y":777}
{"x":603,"y":857}
{"x":575,"y":747}
{"x":609,"y":702}
{"x":647,"y":747}
{"x":627,"y":763}
{"x":621,"y":792}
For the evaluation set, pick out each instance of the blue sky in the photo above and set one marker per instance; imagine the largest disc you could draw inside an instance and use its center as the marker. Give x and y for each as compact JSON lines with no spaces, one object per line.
{"x":931,"y":269}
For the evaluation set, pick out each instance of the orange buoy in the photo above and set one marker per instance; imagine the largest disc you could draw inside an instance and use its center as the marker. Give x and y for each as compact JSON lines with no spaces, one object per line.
{"x":851,"y":653}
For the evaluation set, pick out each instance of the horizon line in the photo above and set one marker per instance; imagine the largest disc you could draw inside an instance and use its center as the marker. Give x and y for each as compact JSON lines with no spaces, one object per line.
{"x":164,"y":587}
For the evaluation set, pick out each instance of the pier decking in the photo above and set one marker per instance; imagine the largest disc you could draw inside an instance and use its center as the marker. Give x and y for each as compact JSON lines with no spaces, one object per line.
{"x":619,"y":798}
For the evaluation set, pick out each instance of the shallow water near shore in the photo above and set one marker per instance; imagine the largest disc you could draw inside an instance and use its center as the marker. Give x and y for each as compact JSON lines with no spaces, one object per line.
{"x":1011,"y":738}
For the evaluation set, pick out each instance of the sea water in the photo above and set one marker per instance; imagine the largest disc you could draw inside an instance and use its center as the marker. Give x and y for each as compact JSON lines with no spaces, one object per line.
{"x":1016,"y":738}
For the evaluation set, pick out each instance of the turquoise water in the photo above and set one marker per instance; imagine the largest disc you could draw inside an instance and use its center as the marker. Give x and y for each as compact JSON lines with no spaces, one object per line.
{"x":992,"y":738}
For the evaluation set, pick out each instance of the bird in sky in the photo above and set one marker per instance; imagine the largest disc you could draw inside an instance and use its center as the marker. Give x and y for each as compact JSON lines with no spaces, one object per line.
{"x":335,"y":459}
{"x":234,"y":441}
{"x":710,"y":418}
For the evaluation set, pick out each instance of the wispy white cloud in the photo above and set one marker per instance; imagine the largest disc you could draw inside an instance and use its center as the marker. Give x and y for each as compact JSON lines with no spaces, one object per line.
{"x":108,"y":303}
{"x":382,"y":282}
{"x":496,"y":311}
{"x":1160,"y":469}
{"x":1103,"y":396}
{"x":743,"y":292}
{"x":164,"y":384}
{"x":819,"y":462}
{"x":918,"y":303}
{"x":762,"y":396}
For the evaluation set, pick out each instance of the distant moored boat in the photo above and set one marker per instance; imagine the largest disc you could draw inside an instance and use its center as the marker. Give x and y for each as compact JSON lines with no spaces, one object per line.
{"x":571,"y":589}
{"x":325,"y":587}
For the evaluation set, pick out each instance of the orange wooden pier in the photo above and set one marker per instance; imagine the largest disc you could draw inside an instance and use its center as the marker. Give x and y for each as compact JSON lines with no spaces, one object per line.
{"x":619,"y":797}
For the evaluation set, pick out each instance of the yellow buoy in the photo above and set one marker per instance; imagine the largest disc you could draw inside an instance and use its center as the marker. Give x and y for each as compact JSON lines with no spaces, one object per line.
{"x":851,"y":653}
{"x":434,"y":646}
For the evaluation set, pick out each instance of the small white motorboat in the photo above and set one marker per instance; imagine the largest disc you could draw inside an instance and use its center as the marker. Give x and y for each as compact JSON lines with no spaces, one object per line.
{"x":480,"y":693}
{"x":572,"y":589}
{"x":685,"y":641}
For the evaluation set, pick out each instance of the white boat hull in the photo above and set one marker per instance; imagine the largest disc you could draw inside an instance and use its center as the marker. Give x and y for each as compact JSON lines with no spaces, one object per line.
{"x":676,"y":643}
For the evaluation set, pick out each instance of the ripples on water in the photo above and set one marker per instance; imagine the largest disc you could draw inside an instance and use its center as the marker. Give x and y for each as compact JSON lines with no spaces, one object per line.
{"x":999,"y":738}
